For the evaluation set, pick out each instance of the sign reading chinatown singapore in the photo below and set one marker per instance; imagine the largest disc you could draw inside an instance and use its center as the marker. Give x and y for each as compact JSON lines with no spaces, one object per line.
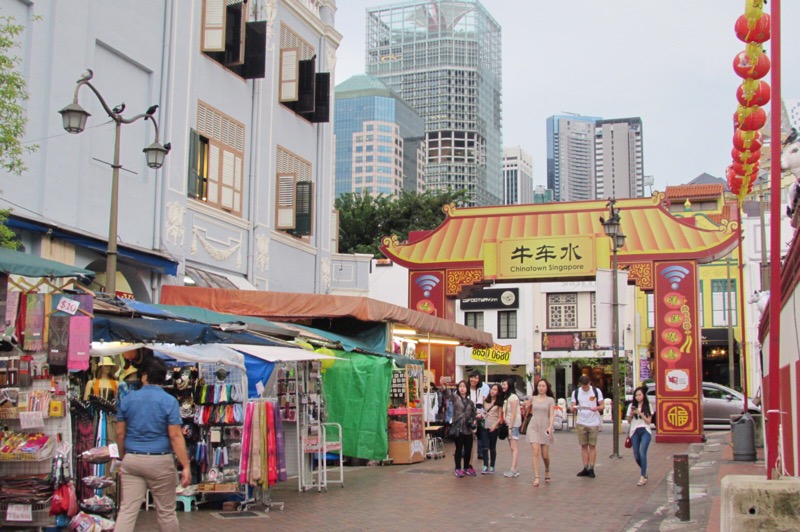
{"x":531,"y":258}
{"x":678,"y":374}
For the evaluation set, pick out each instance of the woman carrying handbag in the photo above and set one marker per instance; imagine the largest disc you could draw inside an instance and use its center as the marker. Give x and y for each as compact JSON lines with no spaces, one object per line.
{"x":542,"y":406}
{"x":493,"y":407}
{"x":639,"y":417}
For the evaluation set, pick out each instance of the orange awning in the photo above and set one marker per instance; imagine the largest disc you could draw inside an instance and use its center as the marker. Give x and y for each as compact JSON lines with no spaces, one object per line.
{"x":296,"y":307}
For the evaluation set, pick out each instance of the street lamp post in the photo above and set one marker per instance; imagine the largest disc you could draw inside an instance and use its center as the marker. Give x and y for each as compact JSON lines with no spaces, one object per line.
{"x":74,"y":119}
{"x":611,"y":226}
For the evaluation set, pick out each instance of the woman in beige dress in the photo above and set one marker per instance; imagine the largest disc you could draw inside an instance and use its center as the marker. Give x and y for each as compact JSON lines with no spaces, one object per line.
{"x":540,"y":428}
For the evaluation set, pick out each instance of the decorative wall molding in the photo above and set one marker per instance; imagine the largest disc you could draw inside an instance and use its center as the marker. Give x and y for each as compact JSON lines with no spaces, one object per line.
{"x":283,"y":238}
{"x":217,"y":215}
{"x":198,"y":235}
{"x":262,"y":252}
{"x":457,"y":279}
{"x":174,"y":228}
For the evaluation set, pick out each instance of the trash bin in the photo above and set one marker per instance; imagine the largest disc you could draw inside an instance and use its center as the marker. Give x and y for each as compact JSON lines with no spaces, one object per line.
{"x":743,"y":438}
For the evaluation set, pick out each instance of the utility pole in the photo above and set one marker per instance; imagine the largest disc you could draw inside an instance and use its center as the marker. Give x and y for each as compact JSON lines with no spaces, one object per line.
{"x":731,"y":370}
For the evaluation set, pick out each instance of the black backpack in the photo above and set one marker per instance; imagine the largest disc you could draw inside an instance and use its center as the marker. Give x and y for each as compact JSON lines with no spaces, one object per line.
{"x":596,"y":397}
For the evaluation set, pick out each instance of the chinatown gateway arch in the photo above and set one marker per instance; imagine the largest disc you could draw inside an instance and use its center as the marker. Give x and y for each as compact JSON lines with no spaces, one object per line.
{"x":484,"y":245}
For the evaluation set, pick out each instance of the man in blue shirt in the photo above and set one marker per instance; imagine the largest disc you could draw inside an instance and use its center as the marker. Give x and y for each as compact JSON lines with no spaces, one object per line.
{"x":148,"y":433}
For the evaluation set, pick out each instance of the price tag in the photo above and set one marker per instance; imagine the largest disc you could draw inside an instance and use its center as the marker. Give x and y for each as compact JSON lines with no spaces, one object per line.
{"x":19,"y":512}
{"x":260,"y":388}
{"x":113,"y":450}
{"x":31,"y":420}
{"x":70,"y":306}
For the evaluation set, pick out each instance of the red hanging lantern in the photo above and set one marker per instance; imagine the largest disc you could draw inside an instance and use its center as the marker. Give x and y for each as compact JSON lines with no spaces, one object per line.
{"x":743,"y":169}
{"x":746,"y":140}
{"x":747,"y":67}
{"x":753,"y":92}
{"x":757,"y":31}
{"x":749,"y":118}
{"x":745,"y":156}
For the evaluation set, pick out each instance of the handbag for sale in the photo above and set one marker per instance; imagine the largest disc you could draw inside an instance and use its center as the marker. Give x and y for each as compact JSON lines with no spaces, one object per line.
{"x":502,"y":431}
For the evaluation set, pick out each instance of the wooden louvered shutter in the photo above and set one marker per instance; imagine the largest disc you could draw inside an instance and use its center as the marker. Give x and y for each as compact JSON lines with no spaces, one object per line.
{"x":194,"y":167}
{"x":285,"y":209}
{"x":303,"y":208}
{"x":289,"y":75}
{"x":213,"y":35}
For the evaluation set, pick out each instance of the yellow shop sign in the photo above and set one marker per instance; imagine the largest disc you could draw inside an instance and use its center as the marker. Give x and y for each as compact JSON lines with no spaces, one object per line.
{"x":497,"y":354}
{"x":560,"y":256}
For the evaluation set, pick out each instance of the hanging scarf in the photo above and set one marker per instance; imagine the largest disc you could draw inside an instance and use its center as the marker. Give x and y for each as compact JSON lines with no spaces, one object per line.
{"x":272,"y":458}
{"x":80,"y":341}
{"x":12,"y":307}
{"x":245,"y":454}
{"x":58,"y":349}
{"x":34,"y":322}
{"x":255,"y":447}
{"x":262,"y":413}
{"x":279,"y":444}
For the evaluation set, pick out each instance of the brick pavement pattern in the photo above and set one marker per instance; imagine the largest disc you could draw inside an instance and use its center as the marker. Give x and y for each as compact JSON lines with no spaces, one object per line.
{"x":428,"y":496}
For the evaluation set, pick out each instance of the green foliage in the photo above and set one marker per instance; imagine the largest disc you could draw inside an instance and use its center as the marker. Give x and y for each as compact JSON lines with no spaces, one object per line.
{"x":365,"y":220}
{"x":13,"y":92}
{"x":8,"y":239}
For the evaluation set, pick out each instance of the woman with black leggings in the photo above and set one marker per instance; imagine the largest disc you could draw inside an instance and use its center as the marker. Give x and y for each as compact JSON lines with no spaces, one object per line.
{"x":464,"y":413}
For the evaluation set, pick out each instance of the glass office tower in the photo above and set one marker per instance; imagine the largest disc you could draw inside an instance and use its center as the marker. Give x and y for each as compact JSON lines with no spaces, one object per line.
{"x":444,"y":58}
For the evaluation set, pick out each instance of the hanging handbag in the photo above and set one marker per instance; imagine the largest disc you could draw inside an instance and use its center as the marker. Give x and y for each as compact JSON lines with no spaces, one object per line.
{"x":525,"y":422}
{"x":502,"y":431}
{"x":628,"y":443}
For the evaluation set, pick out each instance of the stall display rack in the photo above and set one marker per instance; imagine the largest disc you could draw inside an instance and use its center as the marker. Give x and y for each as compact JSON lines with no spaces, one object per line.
{"x":406,"y":417}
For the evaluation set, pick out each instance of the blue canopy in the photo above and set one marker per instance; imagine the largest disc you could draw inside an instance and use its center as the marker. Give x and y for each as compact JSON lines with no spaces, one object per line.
{"x":134,"y":330}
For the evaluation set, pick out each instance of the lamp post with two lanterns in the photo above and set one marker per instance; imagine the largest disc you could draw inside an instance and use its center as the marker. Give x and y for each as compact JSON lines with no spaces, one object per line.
{"x":74,"y":118}
{"x":611,"y":226}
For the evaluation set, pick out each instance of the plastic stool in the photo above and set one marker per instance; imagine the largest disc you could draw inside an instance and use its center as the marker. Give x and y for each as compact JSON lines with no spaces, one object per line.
{"x":188,"y":502}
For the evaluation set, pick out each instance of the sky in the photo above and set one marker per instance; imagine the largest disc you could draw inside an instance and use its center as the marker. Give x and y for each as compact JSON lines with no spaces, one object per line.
{"x":667,"y":62}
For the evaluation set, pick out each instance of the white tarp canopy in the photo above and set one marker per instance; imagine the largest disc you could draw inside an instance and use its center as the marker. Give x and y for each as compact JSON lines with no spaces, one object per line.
{"x":279,"y":353}
{"x":200,"y":353}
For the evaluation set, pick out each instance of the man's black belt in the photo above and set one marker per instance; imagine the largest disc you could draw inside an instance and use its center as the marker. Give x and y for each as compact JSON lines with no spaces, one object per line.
{"x":150,"y":454}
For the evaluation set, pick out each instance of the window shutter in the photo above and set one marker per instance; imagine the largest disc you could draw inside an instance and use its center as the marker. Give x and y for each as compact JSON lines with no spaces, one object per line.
{"x":213,"y":36}
{"x":303,"y":204}
{"x":227,"y":181}
{"x":322,"y":98}
{"x":237,"y":184}
{"x":335,"y":230}
{"x":289,"y":75}
{"x":285,"y":210}
{"x":194,"y":172}
{"x":305,"y":96}
{"x":214,"y":157}
{"x":255,"y":49}
{"x":236,"y":14}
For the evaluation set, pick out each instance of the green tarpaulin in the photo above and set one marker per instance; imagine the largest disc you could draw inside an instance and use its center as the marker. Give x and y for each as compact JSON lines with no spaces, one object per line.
{"x":16,"y":263}
{"x":357,"y":395}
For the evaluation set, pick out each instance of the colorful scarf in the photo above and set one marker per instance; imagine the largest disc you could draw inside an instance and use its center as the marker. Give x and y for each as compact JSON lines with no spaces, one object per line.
{"x":80,"y":341}
{"x":279,"y":444}
{"x":34,"y":322}
{"x":12,"y":307}
{"x":59,"y":344}
{"x":272,"y":457}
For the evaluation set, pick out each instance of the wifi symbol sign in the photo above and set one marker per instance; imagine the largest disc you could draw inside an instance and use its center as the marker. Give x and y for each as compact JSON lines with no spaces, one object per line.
{"x":427,"y":283}
{"x":675,"y":274}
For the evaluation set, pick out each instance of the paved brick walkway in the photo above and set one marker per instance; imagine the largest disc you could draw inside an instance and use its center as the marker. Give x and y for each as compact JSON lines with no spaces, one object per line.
{"x":428,"y":496}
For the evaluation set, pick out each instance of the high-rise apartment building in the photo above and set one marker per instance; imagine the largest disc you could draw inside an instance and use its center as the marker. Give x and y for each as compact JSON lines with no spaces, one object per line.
{"x":444,"y":58}
{"x":571,"y":157}
{"x":590,"y":157}
{"x":793,"y":108}
{"x":380,"y":140}
{"x":517,"y":176}
{"x":618,"y":158}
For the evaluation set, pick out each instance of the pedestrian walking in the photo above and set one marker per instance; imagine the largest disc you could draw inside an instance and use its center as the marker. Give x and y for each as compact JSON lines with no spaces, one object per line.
{"x":461,"y":430}
{"x":639,"y":418}
{"x":477,"y":395}
{"x":493,"y":406}
{"x":513,"y":418}
{"x":587,"y":401}
{"x":540,"y":428}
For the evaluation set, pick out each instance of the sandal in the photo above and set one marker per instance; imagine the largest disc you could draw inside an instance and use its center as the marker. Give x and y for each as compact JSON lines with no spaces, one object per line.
{"x":547,"y":475}
{"x":535,"y":482}
{"x":642,"y":481}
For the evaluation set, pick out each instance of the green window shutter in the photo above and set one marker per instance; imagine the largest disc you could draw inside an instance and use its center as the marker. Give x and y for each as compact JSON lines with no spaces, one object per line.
{"x":194,"y":177}
{"x":303,"y":206}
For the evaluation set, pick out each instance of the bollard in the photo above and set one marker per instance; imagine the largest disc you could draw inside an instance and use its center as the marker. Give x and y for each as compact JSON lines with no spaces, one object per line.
{"x":680,"y":475}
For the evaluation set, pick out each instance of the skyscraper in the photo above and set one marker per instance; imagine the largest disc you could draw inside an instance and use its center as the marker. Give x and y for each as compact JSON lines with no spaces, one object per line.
{"x":380,"y":140}
{"x":571,"y":157}
{"x":618,"y":158}
{"x":444,"y":58}
{"x":517,"y":176}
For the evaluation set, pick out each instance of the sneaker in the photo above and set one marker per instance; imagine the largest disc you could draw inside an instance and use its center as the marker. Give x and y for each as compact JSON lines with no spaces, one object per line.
{"x":583,"y":473}
{"x":491,"y":471}
{"x":459,"y":473}
{"x":511,"y":474}
{"x":591,"y":473}
{"x":485,"y":470}
{"x":470,"y":472}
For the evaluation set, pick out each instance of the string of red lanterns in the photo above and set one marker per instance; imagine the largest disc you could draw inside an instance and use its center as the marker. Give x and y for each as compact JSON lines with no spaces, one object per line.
{"x":752,"y":28}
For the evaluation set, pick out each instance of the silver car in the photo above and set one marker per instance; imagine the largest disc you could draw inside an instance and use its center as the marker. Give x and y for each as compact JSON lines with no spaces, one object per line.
{"x":719,"y":403}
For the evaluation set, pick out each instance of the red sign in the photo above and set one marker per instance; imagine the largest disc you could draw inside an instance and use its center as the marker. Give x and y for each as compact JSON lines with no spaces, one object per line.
{"x":569,"y":341}
{"x":426,"y":292}
{"x":678,"y":373}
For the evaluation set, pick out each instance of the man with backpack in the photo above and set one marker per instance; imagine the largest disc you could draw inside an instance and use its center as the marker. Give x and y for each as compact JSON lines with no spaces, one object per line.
{"x":587,"y":401}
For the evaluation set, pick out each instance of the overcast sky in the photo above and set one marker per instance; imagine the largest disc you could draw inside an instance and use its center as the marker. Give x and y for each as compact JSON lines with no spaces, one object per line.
{"x":668,"y":62}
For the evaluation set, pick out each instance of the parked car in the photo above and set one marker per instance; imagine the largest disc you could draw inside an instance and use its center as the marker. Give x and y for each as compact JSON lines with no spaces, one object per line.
{"x":719,"y":403}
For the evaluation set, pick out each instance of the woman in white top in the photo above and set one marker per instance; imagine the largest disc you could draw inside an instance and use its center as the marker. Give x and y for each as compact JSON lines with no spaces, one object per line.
{"x":512,"y":418}
{"x":640,"y":417}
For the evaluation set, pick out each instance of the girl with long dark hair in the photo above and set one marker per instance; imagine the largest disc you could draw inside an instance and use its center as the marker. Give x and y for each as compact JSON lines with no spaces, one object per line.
{"x":492,"y":407}
{"x":461,"y":429}
{"x":639,"y":416}
{"x":542,"y":405}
